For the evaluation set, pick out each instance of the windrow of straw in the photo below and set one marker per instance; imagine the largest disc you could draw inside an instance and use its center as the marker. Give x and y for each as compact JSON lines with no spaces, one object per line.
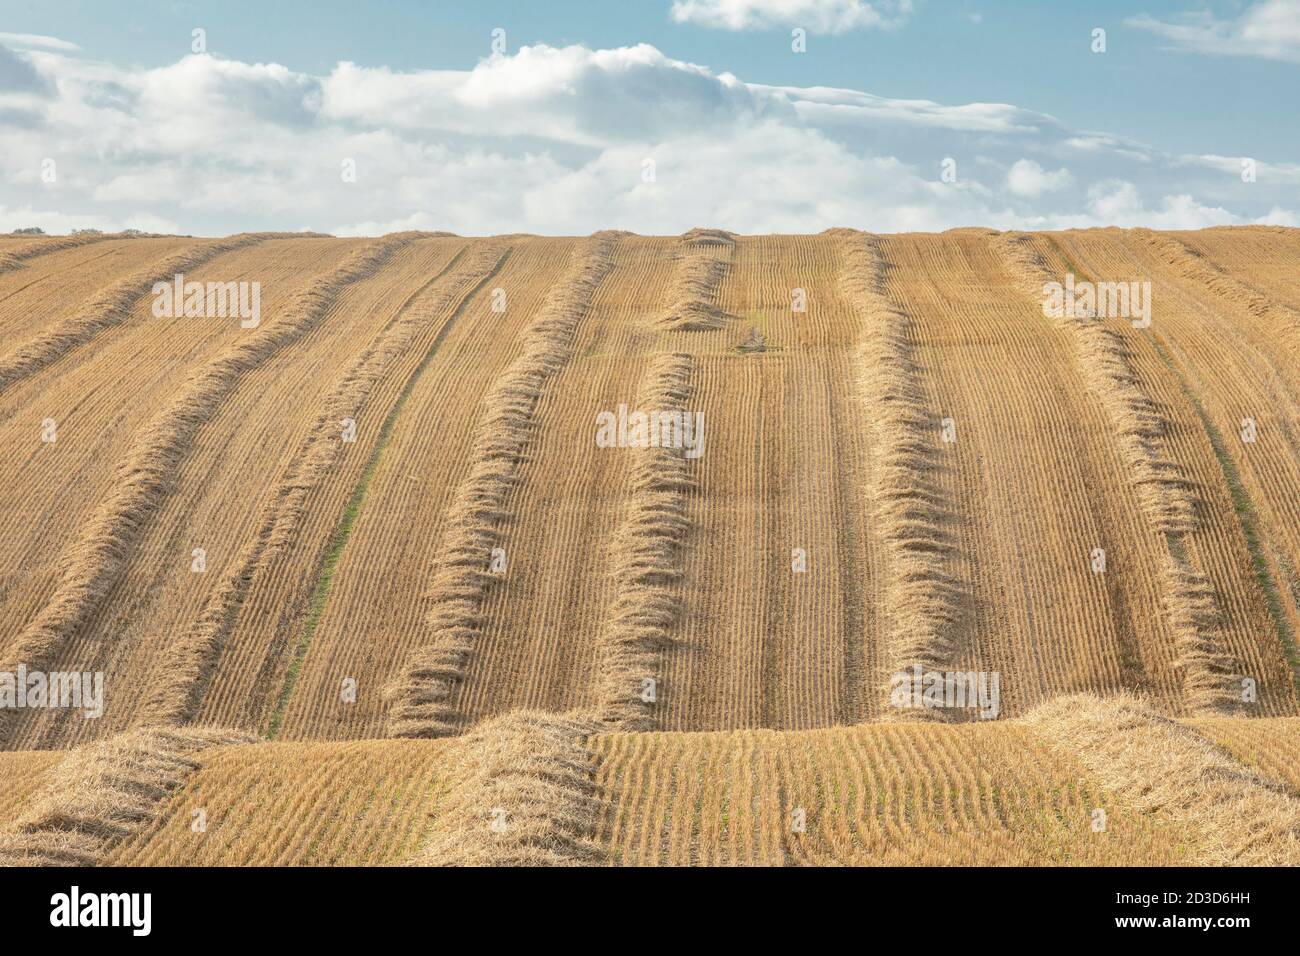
{"x":1165,"y":768}
{"x":1211,"y":682}
{"x":522,"y":793}
{"x":103,"y":793}
{"x":182,"y":675}
{"x":647,"y":561}
{"x":418,"y":697}
{"x":1165,"y":493}
{"x":1191,"y":264}
{"x":703,"y":260}
{"x":144,"y":476}
{"x":110,"y":306}
{"x":699,"y":237}
{"x":925,"y":597}
{"x":1163,"y":488}
{"x":470,"y":271}
{"x":16,"y":258}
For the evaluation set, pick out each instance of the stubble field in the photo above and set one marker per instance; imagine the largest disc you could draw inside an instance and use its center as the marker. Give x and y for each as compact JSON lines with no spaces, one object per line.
{"x":363,"y":586}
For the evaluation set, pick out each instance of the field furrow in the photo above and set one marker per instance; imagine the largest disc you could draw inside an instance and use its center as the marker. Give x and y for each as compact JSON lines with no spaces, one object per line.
{"x":99,"y":796}
{"x":666,"y":537}
{"x":1236,"y":815}
{"x":16,"y":255}
{"x":702,"y":262}
{"x":1207,"y":370}
{"x":647,"y":547}
{"x":901,"y":795}
{"x":1169,"y":500}
{"x":280,"y":431}
{"x":778,"y":594}
{"x":44,"y":291}
{"x":541,"y":617}
{"x":1082,"y":781}
{"x":926,"y":619}
{"x":422,"y":694}
{"x":520,"y":793}
{"x":305,"y":804}
{"x":380,"y":577}
{"x":110,"y":307}
{"x":99,"y":398}
{"x":1034,"y":481}
{"x":147,"y":474}
{"x":409,"y":305}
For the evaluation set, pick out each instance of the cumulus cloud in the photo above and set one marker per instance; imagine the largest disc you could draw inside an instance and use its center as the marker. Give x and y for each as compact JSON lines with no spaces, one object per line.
{"x":559,"y":140}
{"x":570,"y":94}
{"x":1026,"y":178}
{"x":1268,"y":29}
{"x":1279,"y":217}
{"x":1119,"y":203}
{"x":819,"y":16}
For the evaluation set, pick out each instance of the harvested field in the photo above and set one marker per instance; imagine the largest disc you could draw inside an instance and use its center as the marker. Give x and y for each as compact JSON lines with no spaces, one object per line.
{"x":420,"y":499}
{"x":330,"y":804}
{"x":1236,"y":815}
{"x":101,"y":794}
{"x":877,"y":794}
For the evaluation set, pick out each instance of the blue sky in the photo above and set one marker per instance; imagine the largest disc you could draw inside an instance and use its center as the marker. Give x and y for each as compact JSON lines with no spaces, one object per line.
{"x":552,"y":135}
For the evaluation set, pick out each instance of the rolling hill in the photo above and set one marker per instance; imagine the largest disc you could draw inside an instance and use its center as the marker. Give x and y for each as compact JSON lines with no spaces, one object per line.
{"x":367,"y":582}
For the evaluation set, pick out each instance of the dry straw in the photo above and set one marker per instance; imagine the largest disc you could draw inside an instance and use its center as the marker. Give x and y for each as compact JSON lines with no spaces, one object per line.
{"x":419,"y":697}
{"x":1137,"y":425}
{"x":1192,"y":265}
{"x":354,"y":389}
{"x":182,"y":675}
{"x":109,"y":307}
{"x":647,"y":560}
{"x":16,"y":258}
{"x":144,"y":476}
{"x":521,"y":793}
{"x":1163,"y":767}
{"x":693,"y":295}
{"x":926,"y":599}
{"x":104,"y":792}
{"x":1165,"y":494}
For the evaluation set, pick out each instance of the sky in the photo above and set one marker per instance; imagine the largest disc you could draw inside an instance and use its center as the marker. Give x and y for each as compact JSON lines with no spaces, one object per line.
{"x":566,"y":116}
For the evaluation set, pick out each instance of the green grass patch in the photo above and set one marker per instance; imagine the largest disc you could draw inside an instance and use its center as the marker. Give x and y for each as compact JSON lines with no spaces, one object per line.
{"x":343,"y":531}
{"x":1247,"y":517}
{"x":1241,"y":502}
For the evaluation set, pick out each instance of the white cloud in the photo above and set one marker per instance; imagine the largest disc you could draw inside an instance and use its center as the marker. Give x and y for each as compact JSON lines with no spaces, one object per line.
{"x":553,"y":140}
{"x":1119,"y":203}
{"x":818,"y":16}
{"x":1104,"y":143}
{"x":26,"y":40}
{"x":1279,"y":217}
{"x":18,"y":76}
{"x":1268,"y":172}
{"x":822,"y":104}
{"x":571,"y":94}
{"x":1026,"y":178}
{"x":60,"y":222}
{"x":1268,"y":29}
